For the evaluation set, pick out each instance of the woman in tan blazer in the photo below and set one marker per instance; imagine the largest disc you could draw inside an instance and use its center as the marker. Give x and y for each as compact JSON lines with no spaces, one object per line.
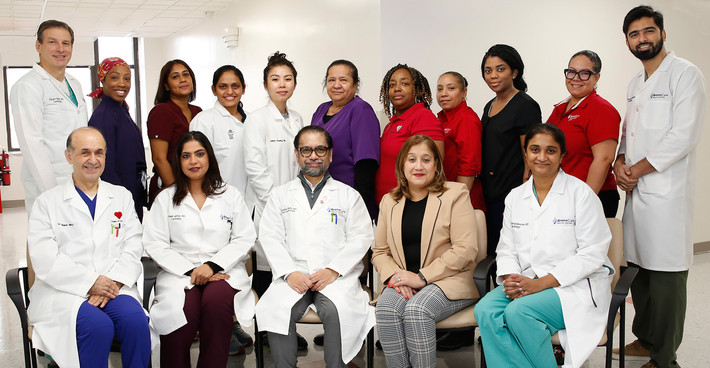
{"x":425,"y":250}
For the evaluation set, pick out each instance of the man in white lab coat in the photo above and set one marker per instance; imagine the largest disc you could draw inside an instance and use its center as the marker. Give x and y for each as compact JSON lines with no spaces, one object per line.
{"x":315,"y":231}
{"x":656,"y":168}
{"x":85,"y":244}
{"x":47,"y":105}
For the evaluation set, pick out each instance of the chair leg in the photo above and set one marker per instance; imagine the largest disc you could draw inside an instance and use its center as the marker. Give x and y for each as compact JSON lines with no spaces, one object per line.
{"x":622,"y":334}
{"x":370,"y":346}
{"x":258,"y":346}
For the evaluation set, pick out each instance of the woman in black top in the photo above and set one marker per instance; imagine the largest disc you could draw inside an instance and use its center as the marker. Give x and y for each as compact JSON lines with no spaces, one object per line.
{"x":506,"y":118}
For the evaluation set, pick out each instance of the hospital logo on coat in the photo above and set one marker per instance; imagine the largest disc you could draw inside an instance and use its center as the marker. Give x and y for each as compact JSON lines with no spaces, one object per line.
{"x":559,"y":221}
{"x":230,"y":134}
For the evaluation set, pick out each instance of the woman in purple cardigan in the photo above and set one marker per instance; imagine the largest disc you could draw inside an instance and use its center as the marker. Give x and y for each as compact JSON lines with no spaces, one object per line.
{"x":355,"y":130}
{"x":125,"y":154}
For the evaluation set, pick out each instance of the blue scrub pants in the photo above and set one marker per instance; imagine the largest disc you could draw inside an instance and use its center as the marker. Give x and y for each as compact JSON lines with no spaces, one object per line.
{"x":95,"y":329}
{"x":517,"y":333}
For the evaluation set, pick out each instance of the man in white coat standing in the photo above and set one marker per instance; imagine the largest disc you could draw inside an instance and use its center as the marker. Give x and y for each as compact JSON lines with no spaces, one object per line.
{"x":656,"y":168}
{"x":47,"y":105}
{"x":315,"y":231}
{"x":85,"y":244}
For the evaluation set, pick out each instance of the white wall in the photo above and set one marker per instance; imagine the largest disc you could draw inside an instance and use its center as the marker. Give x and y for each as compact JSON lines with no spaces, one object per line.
{"x":20,"y":51}
{"x":312,"y":36}
{"x":454,"y":35}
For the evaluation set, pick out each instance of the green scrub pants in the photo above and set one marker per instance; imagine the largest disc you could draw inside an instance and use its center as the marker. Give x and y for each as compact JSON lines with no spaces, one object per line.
{"x":517,"y":333}
{"x":660,"y":299}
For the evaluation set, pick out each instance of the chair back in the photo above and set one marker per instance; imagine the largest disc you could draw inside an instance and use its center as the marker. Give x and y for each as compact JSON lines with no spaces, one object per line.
{"x":616,"y":248}
{"x":481,"y":235}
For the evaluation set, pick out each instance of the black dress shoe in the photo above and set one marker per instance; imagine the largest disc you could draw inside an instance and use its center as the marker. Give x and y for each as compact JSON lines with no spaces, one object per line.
{"x":302,"y":343}
{"x":318,"y":340}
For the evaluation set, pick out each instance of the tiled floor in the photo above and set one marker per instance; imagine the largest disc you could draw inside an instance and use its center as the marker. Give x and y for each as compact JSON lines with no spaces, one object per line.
{"x":692,"y":353}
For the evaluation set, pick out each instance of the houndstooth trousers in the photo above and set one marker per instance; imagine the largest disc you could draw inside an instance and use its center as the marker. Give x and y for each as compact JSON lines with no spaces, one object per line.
{"x":407,"y":328}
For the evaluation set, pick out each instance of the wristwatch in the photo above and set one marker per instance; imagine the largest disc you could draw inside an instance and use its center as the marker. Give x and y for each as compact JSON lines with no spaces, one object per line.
{"x":423,"y":278}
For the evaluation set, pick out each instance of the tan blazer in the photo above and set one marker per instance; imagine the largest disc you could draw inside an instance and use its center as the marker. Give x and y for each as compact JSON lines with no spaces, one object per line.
{"x":449,"y":246}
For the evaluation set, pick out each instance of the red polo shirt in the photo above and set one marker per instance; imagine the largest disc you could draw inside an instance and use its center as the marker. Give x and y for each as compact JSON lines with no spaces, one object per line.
{"x":416,"y":120}
{"x":462,"y":148}
{"x":592,"y":121}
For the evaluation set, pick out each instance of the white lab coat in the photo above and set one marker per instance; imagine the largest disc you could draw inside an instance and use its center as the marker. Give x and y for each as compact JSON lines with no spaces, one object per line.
{"x":270,"y":161}
{"x":336,"y":233}
{"x":69,"y":250}
{"x":569,"y":238}
{"x":184,"y":237}
{"x":663,"y":122}
{"x":226,"y":134}
{"x":44,"y":116}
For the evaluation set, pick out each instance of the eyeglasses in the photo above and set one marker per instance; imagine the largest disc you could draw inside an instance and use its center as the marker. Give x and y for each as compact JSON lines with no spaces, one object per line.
{"x":320,"y":150}
{"x":584,"y":75}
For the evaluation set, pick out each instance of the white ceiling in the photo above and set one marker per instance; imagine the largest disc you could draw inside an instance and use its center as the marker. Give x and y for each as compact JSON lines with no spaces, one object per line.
{"x":139,"y":18}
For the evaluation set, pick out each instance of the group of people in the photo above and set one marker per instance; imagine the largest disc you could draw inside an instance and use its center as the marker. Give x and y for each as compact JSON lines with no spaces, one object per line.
{"x":305,"y":197}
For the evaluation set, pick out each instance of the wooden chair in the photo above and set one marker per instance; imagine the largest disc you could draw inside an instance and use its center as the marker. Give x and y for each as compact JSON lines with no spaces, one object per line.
{"x":620,"y":285}
{"x":464,"y":318}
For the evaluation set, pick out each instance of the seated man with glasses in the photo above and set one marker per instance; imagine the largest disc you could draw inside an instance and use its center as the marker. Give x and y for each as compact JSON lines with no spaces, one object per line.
{"x":315,"y":231}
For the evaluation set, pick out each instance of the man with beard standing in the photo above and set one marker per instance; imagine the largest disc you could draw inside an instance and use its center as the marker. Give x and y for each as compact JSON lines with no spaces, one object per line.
{"x":656,"y":169}
{"x":315,"y":231}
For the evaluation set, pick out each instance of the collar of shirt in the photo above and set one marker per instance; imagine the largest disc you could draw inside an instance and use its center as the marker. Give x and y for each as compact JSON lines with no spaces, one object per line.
{"x":449,"y":115}
{"x":312,"y":191}
{"x":407,"y":114}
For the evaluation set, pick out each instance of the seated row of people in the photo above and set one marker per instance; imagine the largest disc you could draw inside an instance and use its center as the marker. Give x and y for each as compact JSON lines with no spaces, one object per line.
{"x":85,"y":244}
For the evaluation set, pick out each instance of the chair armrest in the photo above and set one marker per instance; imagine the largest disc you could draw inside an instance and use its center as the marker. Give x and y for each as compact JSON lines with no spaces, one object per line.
{"x":14,"y":291}
{"x":621,"y":290}
{"x":150,"y":273}
{"x":484,"y":272}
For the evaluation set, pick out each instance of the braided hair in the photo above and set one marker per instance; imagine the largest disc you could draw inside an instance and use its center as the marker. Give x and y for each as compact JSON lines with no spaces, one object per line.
{"x":422,"y":92}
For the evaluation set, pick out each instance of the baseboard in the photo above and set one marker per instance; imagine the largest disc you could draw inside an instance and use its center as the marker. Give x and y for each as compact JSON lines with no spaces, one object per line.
{"x":13,"y":203}
{"x":702,"y":247}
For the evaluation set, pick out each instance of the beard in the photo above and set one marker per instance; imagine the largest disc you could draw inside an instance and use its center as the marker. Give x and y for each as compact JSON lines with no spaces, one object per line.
{"x":650,"y":53}
{"x":313,"y":171}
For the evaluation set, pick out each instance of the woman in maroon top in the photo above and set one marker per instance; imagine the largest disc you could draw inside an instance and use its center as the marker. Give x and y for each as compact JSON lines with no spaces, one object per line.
{"x":169,"y":119}
{"x":591,"y":126}
{"x":406,"y":98}
{"x":462,"y":135}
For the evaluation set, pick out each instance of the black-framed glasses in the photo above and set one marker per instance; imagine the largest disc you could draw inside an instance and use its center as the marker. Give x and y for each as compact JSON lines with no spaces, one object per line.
{"x":583,"y":75}
{"x":320,"y":150}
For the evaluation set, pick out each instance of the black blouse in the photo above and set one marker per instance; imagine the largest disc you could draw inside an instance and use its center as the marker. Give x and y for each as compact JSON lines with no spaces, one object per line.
{"x":502,"y":158}
{"x":412,"y":217}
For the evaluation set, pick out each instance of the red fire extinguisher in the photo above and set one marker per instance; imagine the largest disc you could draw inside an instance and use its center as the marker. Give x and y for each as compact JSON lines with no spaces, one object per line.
{"x":4,"y":168}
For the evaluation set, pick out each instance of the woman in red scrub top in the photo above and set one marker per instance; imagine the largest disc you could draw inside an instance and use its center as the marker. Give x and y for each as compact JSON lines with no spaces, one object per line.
{"x":406,"y":98}
{"x":168,"y":120}
{"x":591,"y":127}
{"x":462,"y":132}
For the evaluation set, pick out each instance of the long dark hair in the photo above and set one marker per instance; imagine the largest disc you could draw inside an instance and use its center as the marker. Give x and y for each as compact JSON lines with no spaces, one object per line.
{"x":229,"y":68}
{"x":162,"y":94}
{"x":512,"y":58}
{"x":212,"y":183}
